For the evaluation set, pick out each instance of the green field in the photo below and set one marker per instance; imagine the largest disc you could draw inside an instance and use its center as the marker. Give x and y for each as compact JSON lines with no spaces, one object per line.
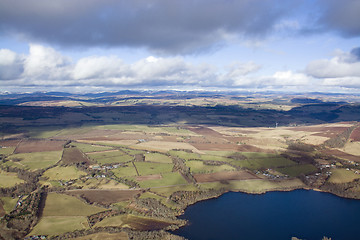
{"x":167,"y":191}
{"x":37,"y":160}
{"x":86,"y":148}
{"x":115,"y":221}
{"x":164,"y":200}
{"x":8,"y":203}
{"x":200,"y":167}
{"x":42,"y":132}
{"x":168,"y":179}
{"x":194,"y":156}
{"x":65,"y":205}
{"x":63,"y":173}
{"x":253,"y":185}
{"x":59,"y":224}
{"x":146,"y":168}
{"x":127,"y":171}
{"x":297,"y":170}
{"x":102,"y":183}
{"x":271,"y":161}
{"x":220,"y":153}
{"x":341,"y":175}
{"x":185,"y":155}
{"x":157,"y":157}
{"x":132,"y":151}
{"x":151,"y":195}
{"x":9,"y":179}
{"x":7,"y":150}
{"x":110,"y":157}
{"x":147,"y":129}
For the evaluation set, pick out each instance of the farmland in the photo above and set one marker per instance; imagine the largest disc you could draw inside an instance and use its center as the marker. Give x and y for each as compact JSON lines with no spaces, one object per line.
{"x":74,"y":170}
{"x":65,"y":205}
{"x":9,"y":179}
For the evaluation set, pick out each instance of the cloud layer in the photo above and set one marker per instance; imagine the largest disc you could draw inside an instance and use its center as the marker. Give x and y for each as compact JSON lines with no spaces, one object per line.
{"x":171,"y":27}
{"x":343,"y":70}
{"x":45,"y":67}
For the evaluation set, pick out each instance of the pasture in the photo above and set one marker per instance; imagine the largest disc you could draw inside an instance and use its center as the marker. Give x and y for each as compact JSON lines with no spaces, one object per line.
{"x":224,"y":176}
{"x":167,"y":179}
{"x":157,"y":157}
{"x":37,"y":160}
{"x":110,"y":157}
{"x":200,"y":167}
{"x":115,"y":221}
{"x":104,"y":197}
{"x":8,"y":203}
{"x":63,"y":173}
{"x":64,"y":205}
{"x":297,"y":170}
{"x":87,"y":148}
{"x":125,"y":171}
{"x":254,"y":185}
{"x":342,"y":175}
{"x":58,"y":225}
{"x":9,"y":179}
{"x":148,"y":168}
{"x":7,"y":150}
{"x":99,"y":183}
{"x":261,"y":161}
{"x":163,"y":146}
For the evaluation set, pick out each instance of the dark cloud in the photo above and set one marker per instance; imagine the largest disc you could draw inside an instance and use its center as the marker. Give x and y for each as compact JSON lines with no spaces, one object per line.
{"x":355,"y":52}
{"x":168,"y":26}
{"x":341,"y":16}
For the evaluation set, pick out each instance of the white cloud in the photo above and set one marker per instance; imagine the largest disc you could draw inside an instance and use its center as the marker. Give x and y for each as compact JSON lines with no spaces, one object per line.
{"x":98,"y":67}
{"x":45,"y":67}
{"x":44,"y":63}
{"x":333,"y":68}
{"x":342,"y":70}
{"x":289,"y":78}
{"x":10,"y":65}
{"x":346,"y":82}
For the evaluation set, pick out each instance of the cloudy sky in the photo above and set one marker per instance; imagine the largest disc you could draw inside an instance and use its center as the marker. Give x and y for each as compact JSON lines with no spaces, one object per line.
{"x":256,"y":45}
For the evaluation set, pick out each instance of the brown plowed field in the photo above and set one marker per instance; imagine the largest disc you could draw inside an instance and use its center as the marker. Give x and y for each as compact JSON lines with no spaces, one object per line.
{"x":148,"y":177}
{"x":32,"y":145}
{"x":340,"y":154}
{"x":205,"y":131}
{"x":9,"y":143}
{"x":74,"y":155}
{"x":355,"y":135}
{"x":104,"y":197}
{"x":224,"y":176}
{"x":145,"y":224}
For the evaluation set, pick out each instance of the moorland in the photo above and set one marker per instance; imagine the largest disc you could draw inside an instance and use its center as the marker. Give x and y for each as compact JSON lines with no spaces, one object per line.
{"x":125,"y":165}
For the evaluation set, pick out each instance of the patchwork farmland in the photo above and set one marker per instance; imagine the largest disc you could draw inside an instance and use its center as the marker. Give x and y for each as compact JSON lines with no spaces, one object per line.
{"x":111,"y":170}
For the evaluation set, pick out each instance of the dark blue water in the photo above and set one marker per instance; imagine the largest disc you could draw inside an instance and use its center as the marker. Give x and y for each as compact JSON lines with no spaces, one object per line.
{"x":275,"y":215}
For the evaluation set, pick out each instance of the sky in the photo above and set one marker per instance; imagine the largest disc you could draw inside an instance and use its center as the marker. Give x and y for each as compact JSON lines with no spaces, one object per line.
{"x":109,"y":45}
